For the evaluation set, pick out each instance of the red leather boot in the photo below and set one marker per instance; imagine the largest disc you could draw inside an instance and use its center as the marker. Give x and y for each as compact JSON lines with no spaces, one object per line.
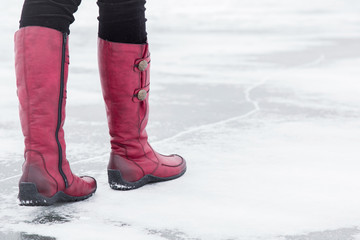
{"x":41,"y":63}
{"x":125,"y":80}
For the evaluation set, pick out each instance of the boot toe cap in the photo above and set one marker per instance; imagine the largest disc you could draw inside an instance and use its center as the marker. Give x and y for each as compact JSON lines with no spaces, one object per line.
{"x":171,"y":166}
{"x":90,"y":182}
{"x":82,"y":186}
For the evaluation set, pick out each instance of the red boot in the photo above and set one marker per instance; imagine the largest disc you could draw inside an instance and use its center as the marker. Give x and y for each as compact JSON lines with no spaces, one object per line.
{"x":41,"y":62}
{"x":125,"y":79}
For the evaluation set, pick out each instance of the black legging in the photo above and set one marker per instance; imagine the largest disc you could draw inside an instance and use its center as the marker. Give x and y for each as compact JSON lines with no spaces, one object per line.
{"x":119,"y":20}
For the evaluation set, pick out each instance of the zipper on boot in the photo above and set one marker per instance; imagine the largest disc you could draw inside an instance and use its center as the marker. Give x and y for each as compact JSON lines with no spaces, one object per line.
{"x":61,"y":95}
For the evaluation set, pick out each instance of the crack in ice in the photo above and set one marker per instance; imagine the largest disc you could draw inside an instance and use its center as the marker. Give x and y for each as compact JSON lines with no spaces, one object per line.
{"x":248,"y":99}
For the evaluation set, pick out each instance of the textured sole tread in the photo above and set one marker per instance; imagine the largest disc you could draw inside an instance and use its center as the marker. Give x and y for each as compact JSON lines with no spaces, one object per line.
{"x":29,"y":196}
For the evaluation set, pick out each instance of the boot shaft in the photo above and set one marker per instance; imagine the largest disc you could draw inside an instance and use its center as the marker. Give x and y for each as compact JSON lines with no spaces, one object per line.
{"x":41,"y":65}
{"x":125,"y":79}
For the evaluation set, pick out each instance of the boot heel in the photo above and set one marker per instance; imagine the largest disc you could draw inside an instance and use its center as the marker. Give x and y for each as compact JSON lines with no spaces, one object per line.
{"x":29,"y":195}
{"x":116,"y":182}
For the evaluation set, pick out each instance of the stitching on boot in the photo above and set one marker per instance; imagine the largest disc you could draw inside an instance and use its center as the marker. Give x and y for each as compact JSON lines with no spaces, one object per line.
{"x":44,"y":162}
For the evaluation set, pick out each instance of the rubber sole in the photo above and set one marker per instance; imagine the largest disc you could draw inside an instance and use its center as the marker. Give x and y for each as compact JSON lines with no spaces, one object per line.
{"x":116,"y":182}
{"x":29,"y":196}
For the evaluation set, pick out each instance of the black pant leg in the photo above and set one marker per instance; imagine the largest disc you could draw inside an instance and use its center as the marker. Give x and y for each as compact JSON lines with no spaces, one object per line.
{"x":55,"y":14}
{"x":122,"y":21}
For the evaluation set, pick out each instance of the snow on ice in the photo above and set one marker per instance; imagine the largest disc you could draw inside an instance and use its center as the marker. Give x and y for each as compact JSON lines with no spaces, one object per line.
{"x":261,"y":98}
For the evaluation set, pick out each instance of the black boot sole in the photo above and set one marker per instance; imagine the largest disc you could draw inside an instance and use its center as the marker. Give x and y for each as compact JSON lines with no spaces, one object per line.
{"x":116,"y":182}
{"x":29,"y":196}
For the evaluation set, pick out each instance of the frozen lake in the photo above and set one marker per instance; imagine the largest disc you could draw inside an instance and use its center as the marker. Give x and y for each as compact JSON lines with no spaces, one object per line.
{"x":262,"y":98}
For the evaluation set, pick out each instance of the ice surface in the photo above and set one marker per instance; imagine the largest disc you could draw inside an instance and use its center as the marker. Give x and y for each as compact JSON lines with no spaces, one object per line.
{"x":261,"y":97}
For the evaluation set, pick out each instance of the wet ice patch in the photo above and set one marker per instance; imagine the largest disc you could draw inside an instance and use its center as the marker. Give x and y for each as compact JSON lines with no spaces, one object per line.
{"x":343,"y":234}
{"x":51,"y":217}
